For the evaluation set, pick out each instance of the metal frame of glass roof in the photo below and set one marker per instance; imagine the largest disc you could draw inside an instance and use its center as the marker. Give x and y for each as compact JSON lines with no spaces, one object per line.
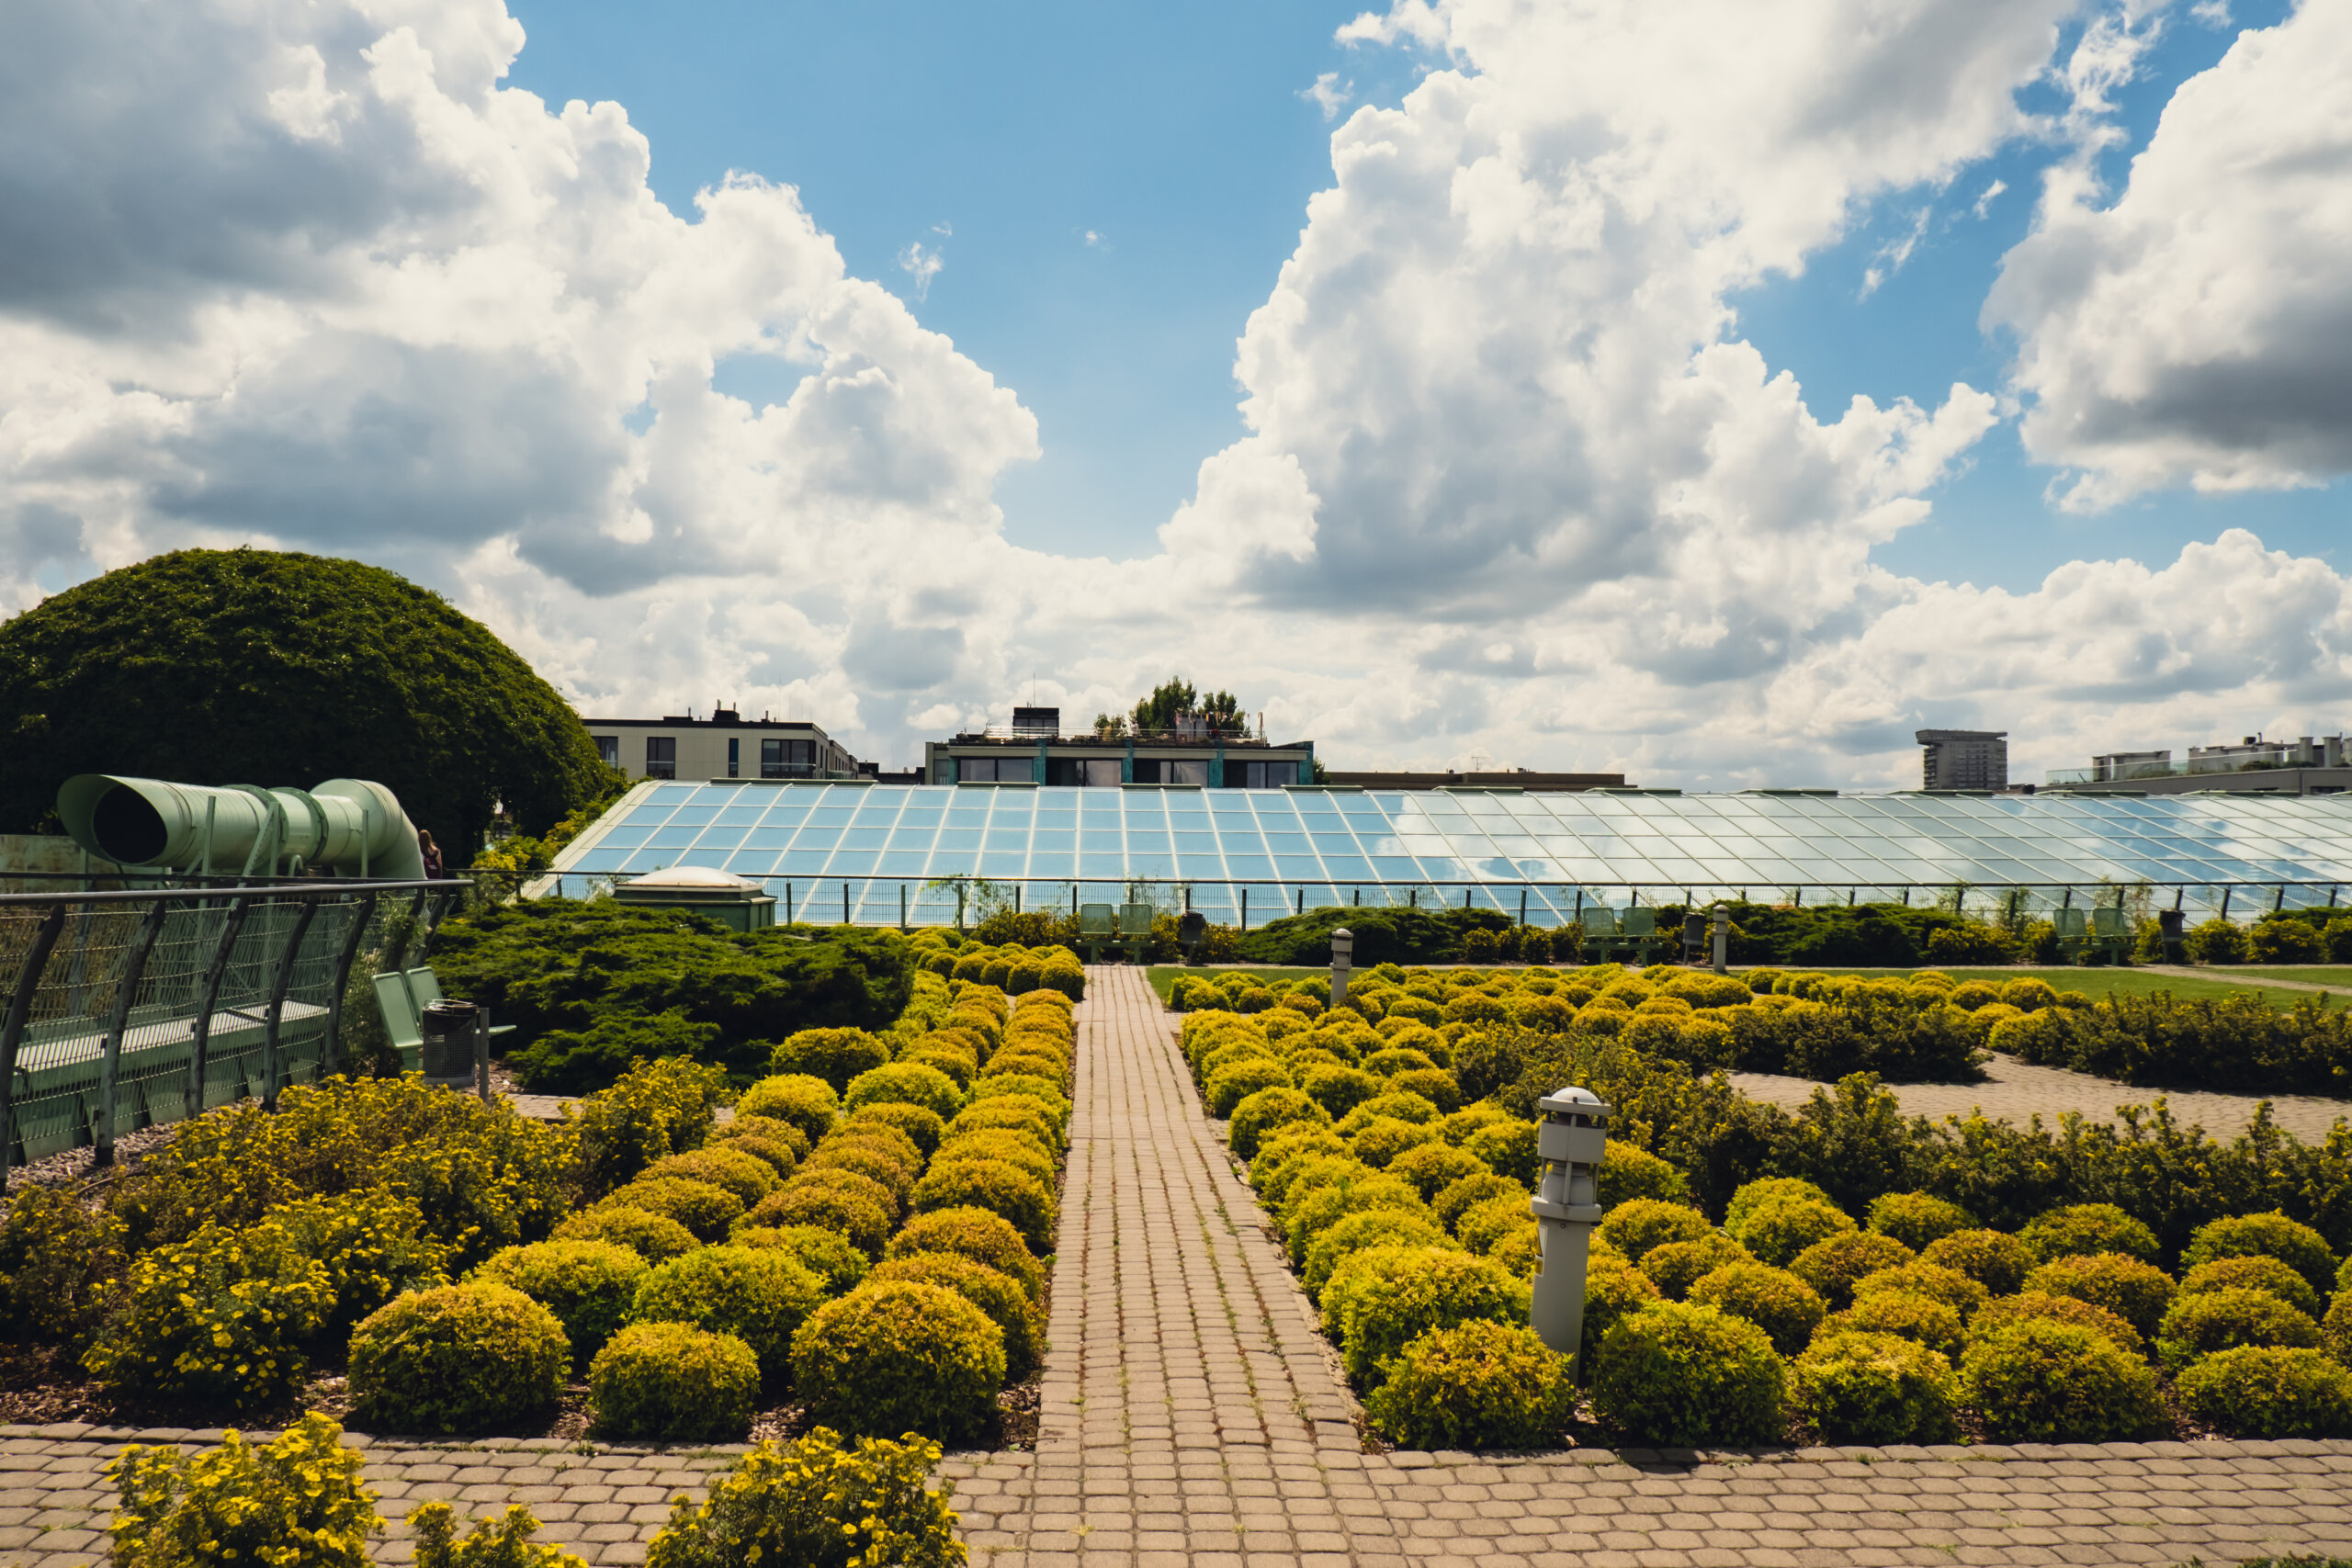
{"x":891,"y":853}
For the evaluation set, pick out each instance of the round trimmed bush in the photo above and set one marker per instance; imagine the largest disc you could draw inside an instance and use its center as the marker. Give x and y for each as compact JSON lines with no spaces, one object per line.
{"x":852,"y":1132}
{"x":998,"y":1295}
{"x":1434,"y":1084}
{"x":1904,"y":1313}
{"x":2081,"y":1229}
{"x":673,"y":1382}
{"x":1950,"y":1286}
{"x":2265,"y":1392}
{"x":587,"y":1284}
{"x":1479,"y":1384}
{"x":1508,"y":1147}
{"x":1016,"y":1149}
{"x":2044,"y":1382}
{"x":1017,"y":1111}
{"x":806,"y":1102}
{"x":1459,"y":1197}
{"x":859,"y":1219}
{"x":906,"y":1083}
{"x":1381,"y":1140}
{"x":1437,"y":1288}
{"x":1404,"y":1106}
{"x":1917,"y":1219}
{"x":1483,"y":1228}
{"x":899,"y":1356}
{"x":1432,"y":1168}
{"x":704,"y":1210}
{"x":739,"y":1171}
{"x":1773,"y":1299}
{"x":774,"y":1153}
{"x":1237,"y":1081}
{"x":1339,"y":1089}
{"x":1995,"y":1260}
{"x":877,"y":1164}
{"x":652,"y":1237}
{"x":1627,"y":1173}
{"x":1832,"y":1265}
{"x":1679,"y":1265}
{"x":766,"y":1128}
{"x":2254,"y":1273}
{"x":836,"y":1056}
{"x":984,"y":1237}
{"x":760,"y":1295}
{"x":1858,"y":1387}
{"x":1673,"y":1374}
{"x":1612,"y":1288}
{"x":2273,"y":1235}
{"x":1311,"y":1211}
{"x":997,"y":1186}
{"x":837,"y":1265}
{"x":1351,"y":1234}
{"x":1779,"y":1230}
{"x":851,"y":1184}
{"x":2224,"y":1320}
{"x":1633,"y":1227}
{"x":1769,"y":1189}
{"x":2002,"y":1311}
{"x":1024,"y":1086}
{"x":1264,"y":1112}
{"x":461,"y":1358}
{"x":2336,"y":1328}
{"x":921,"y":1127}
{"x":2135,"y":1292}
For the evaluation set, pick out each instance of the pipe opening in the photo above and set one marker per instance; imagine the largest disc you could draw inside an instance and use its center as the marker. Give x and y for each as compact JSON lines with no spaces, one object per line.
{"x":128,"y":831}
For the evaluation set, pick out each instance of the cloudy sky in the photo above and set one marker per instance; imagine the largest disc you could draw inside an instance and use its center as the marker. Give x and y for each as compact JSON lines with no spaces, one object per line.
{"x":1712,"y":391}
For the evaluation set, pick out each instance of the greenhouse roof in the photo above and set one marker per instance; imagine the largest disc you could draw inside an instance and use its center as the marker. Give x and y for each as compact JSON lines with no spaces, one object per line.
{"x":867,"y":847}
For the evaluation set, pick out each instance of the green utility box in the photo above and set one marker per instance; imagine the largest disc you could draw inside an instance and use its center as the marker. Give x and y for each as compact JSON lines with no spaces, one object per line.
{"x":733,"y":900}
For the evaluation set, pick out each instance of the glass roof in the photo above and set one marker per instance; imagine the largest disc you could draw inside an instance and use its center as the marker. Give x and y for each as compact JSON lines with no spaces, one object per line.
{"x":819,"y":844}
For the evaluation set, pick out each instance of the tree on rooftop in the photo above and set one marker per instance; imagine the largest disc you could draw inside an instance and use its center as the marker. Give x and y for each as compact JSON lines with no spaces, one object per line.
{"x":1172,"y":697}
{"x":264,"y":667}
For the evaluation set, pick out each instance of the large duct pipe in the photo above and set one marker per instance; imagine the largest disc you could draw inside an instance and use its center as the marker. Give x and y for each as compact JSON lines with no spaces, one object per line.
{"x":348,"y":826}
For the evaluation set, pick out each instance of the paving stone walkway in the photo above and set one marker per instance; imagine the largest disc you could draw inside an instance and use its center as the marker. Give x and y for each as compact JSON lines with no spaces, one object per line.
{"x":2018,"y":1091}
{"x":1192,"y":1419}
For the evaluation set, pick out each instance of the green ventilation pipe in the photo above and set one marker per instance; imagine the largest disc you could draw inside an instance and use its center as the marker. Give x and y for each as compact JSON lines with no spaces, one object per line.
{"x":351,"y":827}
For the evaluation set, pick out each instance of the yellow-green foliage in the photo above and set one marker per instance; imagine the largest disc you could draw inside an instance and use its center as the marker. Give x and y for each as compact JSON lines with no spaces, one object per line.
{"x":854,"y":1207}
{"x":997,"y":1186}
{"x":984,"y":1237}
{"x":1673,"y":1374}
{"x":836,"y":1056}
{"x":1832,"y":1265}
{"x":1473,"y":1385}
{"x":673,"y":1381}
{"x":484,"y":1176}
{"x":62,"y":1263}
{"x":1773,"y":1299}
{"x":2079,"y":1229}
{"x":806,"y":1102}
{"x":899,"y":1356}
{"x":704,"y":1210}
{"x":652,"y":1237}
{"x":760,"y":1295}
{"x":1995,"y":1260}
{"x":998,"y":1295}
{"x":1856,"y":1387}
{"x":587,"y":1284}
{"x":2043,"y":1381}
{"x":2212,"y":1321}
{"x":220,"y":1318}
{"x":655,"y":1109}
{"x":505,"y":1544}
{"x":2135,"y":1292}
{"x":2002,"y":1311}
{"x":1431,"y":1288}
{"x":745,"y":1174}
{"x":2258,"y":1392}
{"x":297,"y":1503}
{"x":817,"y":1505}
{"x":461,"y":1358}
{"x":372,"y":1246}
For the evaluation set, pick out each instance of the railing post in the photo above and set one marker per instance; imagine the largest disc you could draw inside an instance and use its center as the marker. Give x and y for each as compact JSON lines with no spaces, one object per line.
{"x":12,"y":1030}
{"x":278,"y":985}
{"x":134,"y":965}
{"x":200,"y":1042}
{"x":396,"y":951}
{"x":358,"y":932}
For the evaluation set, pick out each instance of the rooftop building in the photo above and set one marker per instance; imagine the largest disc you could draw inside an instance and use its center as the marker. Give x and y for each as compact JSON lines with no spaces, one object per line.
{"x":724,"y":746}
{"x":2305,"y":765}
{"x":1964,"y":758}
{"x":1033,"y":750}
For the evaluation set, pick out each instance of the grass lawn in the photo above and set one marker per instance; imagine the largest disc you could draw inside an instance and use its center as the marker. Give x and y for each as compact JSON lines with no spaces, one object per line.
{"x":2099,"y":982}
{"x":2309,"y":974}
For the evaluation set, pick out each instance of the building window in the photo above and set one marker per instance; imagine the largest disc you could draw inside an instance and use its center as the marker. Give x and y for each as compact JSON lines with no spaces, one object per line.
{"x":787,"y":759}
{"x":1194,"y":770}
{"x":661,"y":757}
{"x":608,"y":746}
{"x":734,"y":757}
{"x":1268,"y":775}
{"x":996,"y":769}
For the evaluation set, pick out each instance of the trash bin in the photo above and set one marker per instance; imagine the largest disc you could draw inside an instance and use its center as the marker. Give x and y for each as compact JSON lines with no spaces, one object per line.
{"x":450,"y":1039}
{"x":2168,"y":924}
{"x":1190,"y":931}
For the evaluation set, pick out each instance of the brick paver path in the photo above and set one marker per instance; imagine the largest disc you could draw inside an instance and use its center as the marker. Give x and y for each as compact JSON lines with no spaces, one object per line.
{"x":2016,"y":1090}
{"x":1193,"y":1417}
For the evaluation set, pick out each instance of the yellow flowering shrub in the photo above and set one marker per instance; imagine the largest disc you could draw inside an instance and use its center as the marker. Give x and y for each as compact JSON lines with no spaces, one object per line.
{"x":506,"y":1544}
{"x":818,"y":1504}
{"x":61,"y":1265}
{"x":655,"y":1109}
{"x":297,"y":1503}
{"x":220,"y":1318}
{"x":372,"y":1246}
{"x":462,"y":1358}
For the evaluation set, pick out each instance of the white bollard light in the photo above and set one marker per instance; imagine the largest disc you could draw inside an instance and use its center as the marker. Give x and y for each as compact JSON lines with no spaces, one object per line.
{"x":1343,"y":952}
{"x":1569,"y":1143}
{"x":1723,"y":939}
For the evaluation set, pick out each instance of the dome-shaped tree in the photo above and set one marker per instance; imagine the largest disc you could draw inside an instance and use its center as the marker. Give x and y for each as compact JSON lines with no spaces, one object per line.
{"x":260,"y":667}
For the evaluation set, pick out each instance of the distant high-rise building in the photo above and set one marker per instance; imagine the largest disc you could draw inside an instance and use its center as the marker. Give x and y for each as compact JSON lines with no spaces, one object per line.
{"x":1964,"y":758}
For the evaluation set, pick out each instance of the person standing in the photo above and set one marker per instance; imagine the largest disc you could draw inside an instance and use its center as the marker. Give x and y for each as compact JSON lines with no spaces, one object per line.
{"x":431,"y":853}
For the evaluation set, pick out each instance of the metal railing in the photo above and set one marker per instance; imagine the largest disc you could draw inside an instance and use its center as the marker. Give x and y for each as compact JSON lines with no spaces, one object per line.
{"x":907,"y":902}
{"x":128,"y":1007}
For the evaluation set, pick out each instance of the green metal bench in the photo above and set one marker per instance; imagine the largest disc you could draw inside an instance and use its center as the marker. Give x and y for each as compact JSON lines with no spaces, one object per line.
{"x":401,"y":996}
{"x":1098,"y":927}
{"x":1134,"y":929}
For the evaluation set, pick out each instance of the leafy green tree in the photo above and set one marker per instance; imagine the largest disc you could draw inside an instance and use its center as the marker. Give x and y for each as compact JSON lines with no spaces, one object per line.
{"x":1174,"y":696}
{"x":262,"y":667}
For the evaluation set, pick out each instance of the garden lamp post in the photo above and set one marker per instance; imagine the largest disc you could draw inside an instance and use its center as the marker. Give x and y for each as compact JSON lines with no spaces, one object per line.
{"x":1569,"y":1143}
{"x":1343,"y":952}
{"x":1722,"y":939}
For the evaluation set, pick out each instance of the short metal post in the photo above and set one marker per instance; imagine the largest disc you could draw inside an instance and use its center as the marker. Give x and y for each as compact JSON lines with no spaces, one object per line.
{"x":1245,"y":909}
{"x":1301,"y":900}
{"x":1016,"y":898}
{"x":1343,"y":948}
{"x":1569,"y":1144}
{"x":1722,"y":924}
{"x":2225,"y":902}
{"x":332,"y":1063}
{"x":902,"y":909}
{"x":787,"y":905}
{"x":844,"y":903}
{"x":278,"y":986}
{"x":12,"y":1032}
{"x":481,"y":1053}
